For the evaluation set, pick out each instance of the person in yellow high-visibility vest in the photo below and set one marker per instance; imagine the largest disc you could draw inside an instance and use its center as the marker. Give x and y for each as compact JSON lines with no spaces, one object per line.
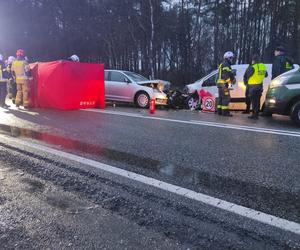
{"x":254,"y":77}
{"x":21,"y":71}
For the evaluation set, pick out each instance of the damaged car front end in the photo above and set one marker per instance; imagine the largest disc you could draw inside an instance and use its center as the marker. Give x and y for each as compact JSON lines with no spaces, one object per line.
{"x":159,"y":87}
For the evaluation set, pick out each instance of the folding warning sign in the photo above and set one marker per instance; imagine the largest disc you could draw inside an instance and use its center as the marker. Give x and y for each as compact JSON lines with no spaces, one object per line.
{"x":208,"y":104}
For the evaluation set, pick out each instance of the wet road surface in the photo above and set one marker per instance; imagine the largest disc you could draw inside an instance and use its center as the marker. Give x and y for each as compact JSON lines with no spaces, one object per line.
{"x":258,"y":170}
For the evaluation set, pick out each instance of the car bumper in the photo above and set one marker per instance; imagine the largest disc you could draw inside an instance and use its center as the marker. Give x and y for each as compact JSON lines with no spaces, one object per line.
{"x":160,"y":98}
{"x":275,"y":106}
{"x":159,"y":101}
{"x":276,"y":100}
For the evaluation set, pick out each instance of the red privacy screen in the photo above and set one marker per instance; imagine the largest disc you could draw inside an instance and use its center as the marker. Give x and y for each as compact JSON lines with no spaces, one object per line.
{"x":67,"y":85}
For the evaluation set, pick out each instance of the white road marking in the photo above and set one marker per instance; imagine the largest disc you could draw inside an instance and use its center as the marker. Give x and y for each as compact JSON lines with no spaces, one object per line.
{"x":261,"y":217}
{"x":203,"y":123}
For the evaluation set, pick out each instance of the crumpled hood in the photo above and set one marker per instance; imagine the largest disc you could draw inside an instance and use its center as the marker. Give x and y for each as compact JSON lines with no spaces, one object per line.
{"x":157,"y":84}
{"x":150,"y":81}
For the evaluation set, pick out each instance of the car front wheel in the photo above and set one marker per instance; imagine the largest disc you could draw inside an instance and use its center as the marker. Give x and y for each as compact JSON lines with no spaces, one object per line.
{"x":264,"y":112}
{"x":193,"y":103}
{"x":295,"y":113}
{"x":142,"y":100}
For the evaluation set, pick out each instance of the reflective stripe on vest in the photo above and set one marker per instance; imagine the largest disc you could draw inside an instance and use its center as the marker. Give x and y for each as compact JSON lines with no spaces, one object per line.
{"x":2,"y":77}
{"x":288,"y":66}
{"x":220,"y":80}
{"x":259,"y":74}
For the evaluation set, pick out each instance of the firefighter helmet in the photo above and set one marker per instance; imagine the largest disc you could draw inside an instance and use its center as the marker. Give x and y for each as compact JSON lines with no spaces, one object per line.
{"x":74,"y":58}
{"x":20,"y":53}
{"x":11,"y":59}
{"x":228,"y":55}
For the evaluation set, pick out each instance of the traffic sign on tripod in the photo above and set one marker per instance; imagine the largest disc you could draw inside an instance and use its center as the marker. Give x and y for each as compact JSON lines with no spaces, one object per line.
{"x":208,"y":104}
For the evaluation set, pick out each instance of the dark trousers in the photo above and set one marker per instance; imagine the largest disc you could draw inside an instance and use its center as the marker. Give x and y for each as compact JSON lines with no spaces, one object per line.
{"x":12,"y":89}
{"x":3,"y":92}
{"x":255,"y":92}
{"x":223,"y":100}
{"x":248,"y":100}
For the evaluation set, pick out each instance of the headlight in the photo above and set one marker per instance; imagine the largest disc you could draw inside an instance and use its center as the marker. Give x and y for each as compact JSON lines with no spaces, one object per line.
{"x":160,"y":95}
{"x":273,"y":101}
{"x":275,"y":83}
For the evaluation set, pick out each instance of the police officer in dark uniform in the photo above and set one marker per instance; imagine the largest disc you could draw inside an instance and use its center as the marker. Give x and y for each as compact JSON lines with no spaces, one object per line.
{"x":254,"y":78}
{"x":11,"y":83}
{"x":282,"y":62}
{"x":3,"y":83}
{"x":225,"y":79}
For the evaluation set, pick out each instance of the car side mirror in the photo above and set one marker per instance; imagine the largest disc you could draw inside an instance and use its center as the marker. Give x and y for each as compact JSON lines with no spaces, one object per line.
{"x":127,"y":80}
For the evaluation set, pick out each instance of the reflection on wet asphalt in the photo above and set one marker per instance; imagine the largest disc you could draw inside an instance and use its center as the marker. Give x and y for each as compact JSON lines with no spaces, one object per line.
{"x":244,"y":193}
{"x":76,"y":145}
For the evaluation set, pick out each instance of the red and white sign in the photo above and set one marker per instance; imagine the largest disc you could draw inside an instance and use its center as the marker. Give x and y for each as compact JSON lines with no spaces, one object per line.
{"x":209,"y":104}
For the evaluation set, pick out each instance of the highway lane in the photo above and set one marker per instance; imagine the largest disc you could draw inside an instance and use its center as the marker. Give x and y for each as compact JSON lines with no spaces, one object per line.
{"x":252,"y":169}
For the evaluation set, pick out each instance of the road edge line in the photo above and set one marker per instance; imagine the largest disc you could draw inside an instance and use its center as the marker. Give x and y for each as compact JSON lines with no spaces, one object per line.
{"x":249,"y":213}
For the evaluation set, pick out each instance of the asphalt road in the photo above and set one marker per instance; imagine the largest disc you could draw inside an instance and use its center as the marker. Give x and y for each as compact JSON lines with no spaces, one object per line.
{"x":47,"y":201}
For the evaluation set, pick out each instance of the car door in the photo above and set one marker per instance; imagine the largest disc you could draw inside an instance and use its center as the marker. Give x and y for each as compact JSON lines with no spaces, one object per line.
{"x":108,"y":85}
{"x":209,"y":84}
{"x":118,"y":87}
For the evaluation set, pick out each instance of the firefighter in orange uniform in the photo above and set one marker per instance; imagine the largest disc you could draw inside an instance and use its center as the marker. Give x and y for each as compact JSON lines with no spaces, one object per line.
{"x":21,"y":71}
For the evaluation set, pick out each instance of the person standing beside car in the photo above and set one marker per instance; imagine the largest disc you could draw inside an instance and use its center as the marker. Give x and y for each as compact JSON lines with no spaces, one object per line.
{"x":254,"y":78}
{"x":21,"y":71}
{"x":247,"y":97}
{"x":225,"y":78}
{"x":3,"y":83}
{"x":282,"y":63}
{"x":11,"y":83}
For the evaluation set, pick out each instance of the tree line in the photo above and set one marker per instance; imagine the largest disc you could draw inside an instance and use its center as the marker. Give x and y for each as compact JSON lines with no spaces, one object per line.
{"x":175,"y":40}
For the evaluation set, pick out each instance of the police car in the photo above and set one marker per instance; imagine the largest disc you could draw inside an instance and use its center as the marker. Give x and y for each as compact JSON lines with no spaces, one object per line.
{"x":283,"y":96}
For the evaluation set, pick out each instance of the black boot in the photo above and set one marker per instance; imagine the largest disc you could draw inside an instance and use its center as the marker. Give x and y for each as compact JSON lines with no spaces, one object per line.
{"x":254,"y":117}
{"x":227,"y":113}
{"x":5,"y":106}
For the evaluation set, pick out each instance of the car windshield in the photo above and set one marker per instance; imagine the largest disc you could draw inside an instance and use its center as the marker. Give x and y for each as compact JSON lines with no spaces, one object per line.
{"x":136,"y":77}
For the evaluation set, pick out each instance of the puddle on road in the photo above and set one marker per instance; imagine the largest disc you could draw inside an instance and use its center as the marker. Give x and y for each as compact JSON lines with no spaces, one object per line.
{"x":71,"y":144}
{"x":247,"y":193}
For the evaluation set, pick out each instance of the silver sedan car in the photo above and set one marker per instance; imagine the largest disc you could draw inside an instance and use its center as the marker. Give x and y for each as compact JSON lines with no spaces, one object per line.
{"x":126,"y":86}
